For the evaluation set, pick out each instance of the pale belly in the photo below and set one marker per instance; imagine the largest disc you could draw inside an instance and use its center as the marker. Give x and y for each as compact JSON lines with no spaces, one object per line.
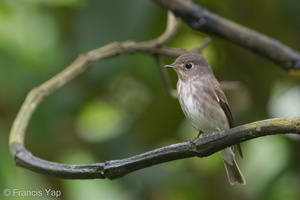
{"x":205,"y":114}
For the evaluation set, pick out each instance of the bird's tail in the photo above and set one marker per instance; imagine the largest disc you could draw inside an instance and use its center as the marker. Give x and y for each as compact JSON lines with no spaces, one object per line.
{"x":233,"y":171}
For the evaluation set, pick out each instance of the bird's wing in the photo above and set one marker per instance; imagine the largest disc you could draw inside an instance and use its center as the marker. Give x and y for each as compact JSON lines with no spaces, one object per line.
{"x":221,"y":98}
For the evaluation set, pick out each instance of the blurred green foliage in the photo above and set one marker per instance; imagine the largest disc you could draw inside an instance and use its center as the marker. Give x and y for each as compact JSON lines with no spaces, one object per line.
{"x":119,"y":108}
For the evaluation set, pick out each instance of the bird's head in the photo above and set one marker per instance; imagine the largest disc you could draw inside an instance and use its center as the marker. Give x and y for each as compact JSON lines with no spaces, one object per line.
{"x":190,"y":65}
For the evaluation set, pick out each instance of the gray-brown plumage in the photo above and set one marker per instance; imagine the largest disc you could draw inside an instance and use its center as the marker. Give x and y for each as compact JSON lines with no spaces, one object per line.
{"x":205,"y":105}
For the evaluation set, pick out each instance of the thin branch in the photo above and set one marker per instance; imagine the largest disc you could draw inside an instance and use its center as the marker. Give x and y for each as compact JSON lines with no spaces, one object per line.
{"x":201,"y":147}
{"x":199,"y":18}
{"x":204,"y":44}
{"x":165,"y":77}
{"x":231,"y":85}
{"x":81,"y":64}
{"x":172,"y":26}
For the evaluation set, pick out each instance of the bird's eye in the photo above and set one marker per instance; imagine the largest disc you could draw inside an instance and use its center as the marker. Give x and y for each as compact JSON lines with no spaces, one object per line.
{"x":188,"y":65}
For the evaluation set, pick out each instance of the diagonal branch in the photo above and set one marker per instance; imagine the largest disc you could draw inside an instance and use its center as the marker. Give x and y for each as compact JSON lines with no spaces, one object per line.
{"x":199,"y":18}
{"x":202,"y":147}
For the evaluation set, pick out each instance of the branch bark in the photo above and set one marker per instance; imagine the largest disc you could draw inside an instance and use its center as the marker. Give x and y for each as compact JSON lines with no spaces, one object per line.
{"x":199,"y":18}
{"x":201,"y":147}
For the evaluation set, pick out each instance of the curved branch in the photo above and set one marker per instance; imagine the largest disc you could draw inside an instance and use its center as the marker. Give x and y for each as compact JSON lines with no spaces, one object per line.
{"x":201,"y":19}
{"x":201,"y":147}
{"x":82,"y":63}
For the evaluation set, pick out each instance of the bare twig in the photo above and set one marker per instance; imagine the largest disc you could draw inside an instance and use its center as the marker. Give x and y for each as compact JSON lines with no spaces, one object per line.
{"x":82,"y":63}
{"x":231,"y":85}
{"x":118,"y":168}
{"x":165,"y":77}
{"x":203,"y":20}
{"x":172,"y":26}
{"x":204,"y":44}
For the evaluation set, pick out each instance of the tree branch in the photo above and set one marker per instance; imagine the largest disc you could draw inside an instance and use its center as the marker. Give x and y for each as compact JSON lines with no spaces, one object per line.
{"x":199,"y":18}
{"x":201,"y":147}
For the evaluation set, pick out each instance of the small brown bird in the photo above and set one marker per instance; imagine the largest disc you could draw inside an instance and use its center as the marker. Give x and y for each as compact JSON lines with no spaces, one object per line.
{"x":205,"y":105}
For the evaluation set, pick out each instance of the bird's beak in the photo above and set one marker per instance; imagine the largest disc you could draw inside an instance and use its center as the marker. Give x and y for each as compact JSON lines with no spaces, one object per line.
{"x":171,"y":66}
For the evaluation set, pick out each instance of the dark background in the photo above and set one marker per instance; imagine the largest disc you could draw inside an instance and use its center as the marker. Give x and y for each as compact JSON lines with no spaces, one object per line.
{"x":120,"y":108}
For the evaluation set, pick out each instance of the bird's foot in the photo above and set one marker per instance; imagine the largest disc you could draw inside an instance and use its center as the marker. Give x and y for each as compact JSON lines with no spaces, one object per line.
{"x":196,"y":138}
{"x":216,"y":131}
